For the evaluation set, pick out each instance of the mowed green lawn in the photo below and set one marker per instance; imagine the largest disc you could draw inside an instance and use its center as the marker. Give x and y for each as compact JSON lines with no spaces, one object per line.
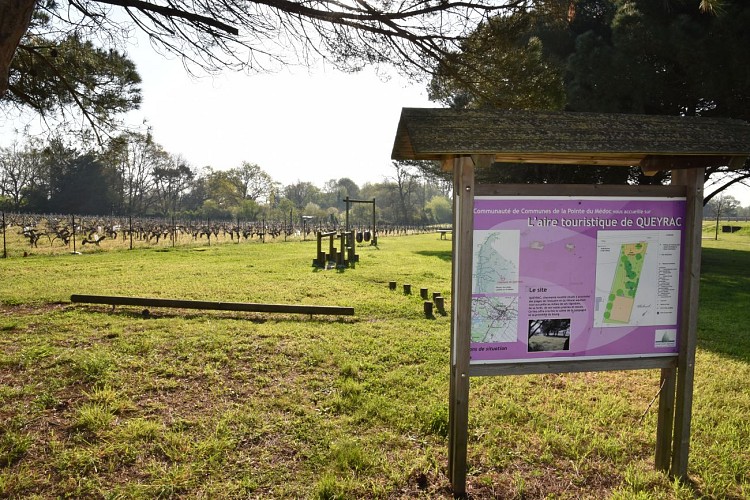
{"x":96,"y":403}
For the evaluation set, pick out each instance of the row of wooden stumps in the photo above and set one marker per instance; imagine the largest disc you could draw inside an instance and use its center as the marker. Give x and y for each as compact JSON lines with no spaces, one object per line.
{"x":437,"y":302}
{"x":345,"y":256}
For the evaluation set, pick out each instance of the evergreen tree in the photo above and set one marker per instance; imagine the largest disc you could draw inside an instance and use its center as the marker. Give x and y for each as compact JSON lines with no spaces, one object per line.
{"x":685,"y":58}
{"x":64,"y":77}
{"x":83,"y":186}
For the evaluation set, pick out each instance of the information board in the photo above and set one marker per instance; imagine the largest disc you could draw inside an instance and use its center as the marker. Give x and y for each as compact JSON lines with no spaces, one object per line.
{"x":561,"y":278}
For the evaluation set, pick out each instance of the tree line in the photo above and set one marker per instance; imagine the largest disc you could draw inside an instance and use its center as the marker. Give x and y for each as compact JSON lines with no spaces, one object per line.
{"x":134,"y":175}
{"x":63,"y":62}
{"x":679,"y":58}
{"x":725,"y":206}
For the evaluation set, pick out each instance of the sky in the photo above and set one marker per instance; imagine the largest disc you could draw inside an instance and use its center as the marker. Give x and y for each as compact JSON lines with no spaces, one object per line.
{"x":297,"y":125}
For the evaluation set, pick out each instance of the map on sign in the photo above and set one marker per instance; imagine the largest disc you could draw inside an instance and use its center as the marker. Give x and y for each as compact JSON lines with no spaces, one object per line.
{"x":494,"y":319}
{"x":573,"y":277}
{"x":496,"y":261}
{"x":621,"y":297}
{"x":636,"y":278}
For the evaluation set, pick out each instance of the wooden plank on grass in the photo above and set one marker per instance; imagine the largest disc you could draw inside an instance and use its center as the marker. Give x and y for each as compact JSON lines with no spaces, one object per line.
{"x":209,"y":305}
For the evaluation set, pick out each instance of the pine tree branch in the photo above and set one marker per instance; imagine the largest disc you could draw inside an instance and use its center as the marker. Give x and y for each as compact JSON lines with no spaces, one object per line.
{"x":73,"y":92}
{"x":173,"y":12}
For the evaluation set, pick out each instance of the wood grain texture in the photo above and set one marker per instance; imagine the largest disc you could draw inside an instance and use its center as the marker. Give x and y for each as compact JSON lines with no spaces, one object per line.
{"x":569,"y":138}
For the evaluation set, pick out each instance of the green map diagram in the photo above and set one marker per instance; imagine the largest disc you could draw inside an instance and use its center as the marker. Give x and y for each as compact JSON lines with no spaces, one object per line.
{"x":494,"y":319}
{"x":621,"y":299}
{"x":496,"y":261}
{"x":637,"y":278}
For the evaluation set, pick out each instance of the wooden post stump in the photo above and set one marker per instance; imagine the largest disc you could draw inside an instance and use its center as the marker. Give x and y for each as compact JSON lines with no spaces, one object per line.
{"x":423,"y":293}
{"x":428,"y":309}
{"x":392,"y":285}
{"x":407,"y":289}
{"x":440,"y":304}
{"x":353,"y":257}
{"x":340,"y":259}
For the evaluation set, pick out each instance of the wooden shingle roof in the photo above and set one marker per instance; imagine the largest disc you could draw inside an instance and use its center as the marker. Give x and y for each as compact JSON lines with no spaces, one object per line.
{"x":651,"y":141}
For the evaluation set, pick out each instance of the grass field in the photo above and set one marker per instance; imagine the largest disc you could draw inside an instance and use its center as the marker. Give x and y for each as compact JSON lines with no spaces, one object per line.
{"x":96,"y":403}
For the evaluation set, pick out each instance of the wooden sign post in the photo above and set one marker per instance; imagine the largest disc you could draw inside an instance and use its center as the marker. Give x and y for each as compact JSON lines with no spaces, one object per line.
{"x":611,"y":232}
{"x":458,"y":413}
{"x":692,"y":179}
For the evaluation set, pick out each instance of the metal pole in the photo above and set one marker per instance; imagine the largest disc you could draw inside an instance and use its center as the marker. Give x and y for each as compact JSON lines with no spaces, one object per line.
{"x":73,"y":219}
{"x":346,"y":200}
{"x":5,"y":250}
{"x":374,"y":233}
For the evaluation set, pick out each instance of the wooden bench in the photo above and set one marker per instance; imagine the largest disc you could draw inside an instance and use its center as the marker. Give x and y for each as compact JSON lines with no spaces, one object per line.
{"x":217,"y":306}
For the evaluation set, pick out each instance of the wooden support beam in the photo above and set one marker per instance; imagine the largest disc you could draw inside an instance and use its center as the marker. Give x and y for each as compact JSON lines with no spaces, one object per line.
{"x":458,"y":432}
{"x":483,"y":161}
{"x":680,"y":162}
{"x":576,"y":190}
{"x":447,"y":164}
{"x":576,"y":366}
{"x":665,"y":419}
{"x":216,"y":306}
{"x":692,"y":179}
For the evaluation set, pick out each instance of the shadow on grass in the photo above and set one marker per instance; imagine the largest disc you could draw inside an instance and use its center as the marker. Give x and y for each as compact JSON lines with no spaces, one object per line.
{"x":338,"y":269}
{"x":724,"y":315}
{"x":446,"y":255}
{"x":256,"y":318}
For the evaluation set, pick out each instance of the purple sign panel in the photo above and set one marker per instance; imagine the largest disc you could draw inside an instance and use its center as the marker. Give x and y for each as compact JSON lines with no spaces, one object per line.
{"x":575,"y":278}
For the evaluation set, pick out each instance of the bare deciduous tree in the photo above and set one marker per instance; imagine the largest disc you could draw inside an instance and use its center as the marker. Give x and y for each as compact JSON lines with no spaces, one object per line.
{"x":255,"y":183}
{"x":135,"y":156}
{"x":20,"y":171}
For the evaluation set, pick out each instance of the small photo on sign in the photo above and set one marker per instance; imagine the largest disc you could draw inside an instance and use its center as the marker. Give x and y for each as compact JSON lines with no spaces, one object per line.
{"x":549,"y":335}
{"x":665,"y":338}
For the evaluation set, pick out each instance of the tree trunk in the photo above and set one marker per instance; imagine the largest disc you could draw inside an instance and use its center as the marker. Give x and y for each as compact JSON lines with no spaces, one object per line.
{"x":15,"y":16}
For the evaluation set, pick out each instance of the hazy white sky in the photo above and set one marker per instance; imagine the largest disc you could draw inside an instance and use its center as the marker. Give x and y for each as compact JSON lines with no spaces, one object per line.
{"x":297,"y":125}
{"x":303,"y":125}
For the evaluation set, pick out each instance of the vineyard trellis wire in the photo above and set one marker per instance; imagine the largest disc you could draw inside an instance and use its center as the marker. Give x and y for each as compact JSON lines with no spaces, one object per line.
{"x":27,"y":234}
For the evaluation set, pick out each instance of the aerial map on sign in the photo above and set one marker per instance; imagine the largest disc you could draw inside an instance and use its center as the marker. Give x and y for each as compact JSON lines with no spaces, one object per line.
{"x":496,"y":261}
{"x":494,"y":319}
{"x":574,"y":277}
{"x":625,"y":284}
{"x":636,"y":278}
